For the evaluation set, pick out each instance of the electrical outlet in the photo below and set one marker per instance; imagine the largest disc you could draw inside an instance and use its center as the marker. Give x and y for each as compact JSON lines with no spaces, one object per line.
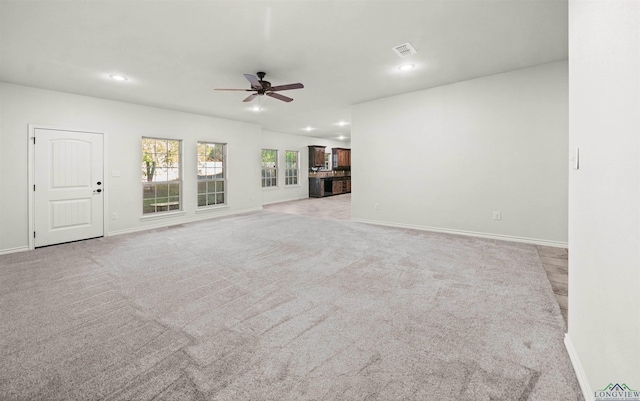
{"x":114,"y":216}
{"x":497,"y":216}
{"x":376,"y":206}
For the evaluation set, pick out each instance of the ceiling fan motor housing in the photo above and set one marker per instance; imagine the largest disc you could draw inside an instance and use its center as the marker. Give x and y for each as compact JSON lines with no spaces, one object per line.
{"x":266,"y":85}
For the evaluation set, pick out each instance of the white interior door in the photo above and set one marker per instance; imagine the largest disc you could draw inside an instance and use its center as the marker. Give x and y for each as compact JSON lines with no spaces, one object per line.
{"x":69,"y":186}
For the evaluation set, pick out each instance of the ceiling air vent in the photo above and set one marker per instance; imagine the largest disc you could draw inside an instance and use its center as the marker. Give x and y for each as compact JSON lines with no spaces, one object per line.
{"x":404,"y":50}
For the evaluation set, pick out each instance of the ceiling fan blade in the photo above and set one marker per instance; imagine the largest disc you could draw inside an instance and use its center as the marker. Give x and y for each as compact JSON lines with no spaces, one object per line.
{"x":254,"y":81}
{"x":279,"y":97}
{"x":286,"y":87}
{"x":241,"y":90}
{"x":250,"y":97}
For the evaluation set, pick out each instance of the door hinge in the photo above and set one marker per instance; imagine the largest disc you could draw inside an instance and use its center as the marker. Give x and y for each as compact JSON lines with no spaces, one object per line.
{"x":34,"y":140}
{"x":34,"y":187}
{"x":34,"y":234}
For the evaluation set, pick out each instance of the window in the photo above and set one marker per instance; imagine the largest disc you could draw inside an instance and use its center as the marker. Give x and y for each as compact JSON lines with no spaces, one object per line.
{"x":327,"y":161}
{"x":211,"y":174}
{"x":291,"y":168}
{"x":161,"y":175}
{"x":269,"y":168}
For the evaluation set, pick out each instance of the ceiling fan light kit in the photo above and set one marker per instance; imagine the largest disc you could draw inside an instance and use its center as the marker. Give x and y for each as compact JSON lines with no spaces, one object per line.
{"x":262,"y":87}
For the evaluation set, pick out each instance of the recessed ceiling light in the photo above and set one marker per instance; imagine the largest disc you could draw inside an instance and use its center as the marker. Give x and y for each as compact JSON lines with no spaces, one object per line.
{"x":118,"y":77}
{"x":341,"y":137}
{"x":256,"y":109}
{"x":406,"y":67}
{"x":342,"y":123}
{"x":308,"y":129}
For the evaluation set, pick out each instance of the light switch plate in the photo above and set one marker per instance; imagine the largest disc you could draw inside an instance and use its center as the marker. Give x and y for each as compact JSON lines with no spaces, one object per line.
{"x":575,"y":159}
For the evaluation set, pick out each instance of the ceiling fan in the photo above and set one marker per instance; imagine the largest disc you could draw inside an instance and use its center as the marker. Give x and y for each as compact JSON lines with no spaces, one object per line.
{"x":261,"y":88}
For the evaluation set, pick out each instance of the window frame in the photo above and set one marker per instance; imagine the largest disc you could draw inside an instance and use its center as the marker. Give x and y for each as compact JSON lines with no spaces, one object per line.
{"x":273,"y":171}
{"x":169,"y":200}
{"x":216,"y":192}
{"x":289,"y":178}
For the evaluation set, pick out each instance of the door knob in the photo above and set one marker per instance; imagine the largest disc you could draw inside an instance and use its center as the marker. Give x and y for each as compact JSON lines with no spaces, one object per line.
{"x":99,"y":183}
{"x":97,"y":190}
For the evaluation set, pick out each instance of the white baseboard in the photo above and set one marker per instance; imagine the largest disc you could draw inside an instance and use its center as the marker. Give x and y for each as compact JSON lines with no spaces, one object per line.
{"x":161,"y":223}
{"x":13,"y":250}
{"x":286,"y":200}
{"x":534,"y":241}
{"x":577,"y":367}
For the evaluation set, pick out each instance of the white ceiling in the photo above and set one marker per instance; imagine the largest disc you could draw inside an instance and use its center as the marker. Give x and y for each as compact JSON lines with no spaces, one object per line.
{"x":175,"y":52}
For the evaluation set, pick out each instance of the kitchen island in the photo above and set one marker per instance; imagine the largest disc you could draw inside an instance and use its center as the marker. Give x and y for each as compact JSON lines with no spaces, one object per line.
{"x":328,"y":183}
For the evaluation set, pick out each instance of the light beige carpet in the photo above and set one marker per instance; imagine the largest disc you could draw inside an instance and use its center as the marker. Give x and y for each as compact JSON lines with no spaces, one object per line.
{"x":272,"y":306}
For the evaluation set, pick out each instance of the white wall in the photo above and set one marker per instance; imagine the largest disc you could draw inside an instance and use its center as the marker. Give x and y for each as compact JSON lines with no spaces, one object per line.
{"x":448,"y":157}
{"x":124,"y":125}
{"x":283,"y":142}
{"x":604,"y":194}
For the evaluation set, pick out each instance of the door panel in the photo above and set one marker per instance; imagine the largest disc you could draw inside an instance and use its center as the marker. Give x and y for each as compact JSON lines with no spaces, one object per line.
{"x":70,"y":213}
{"x":68,"y":186}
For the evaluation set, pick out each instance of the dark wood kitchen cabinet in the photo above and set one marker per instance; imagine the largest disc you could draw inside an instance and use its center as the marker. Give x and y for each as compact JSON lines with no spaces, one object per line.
{"x":341,"y":158}
{"x":316,"y":156}
{"x":337,"y":187}
{"x":329,"y":185}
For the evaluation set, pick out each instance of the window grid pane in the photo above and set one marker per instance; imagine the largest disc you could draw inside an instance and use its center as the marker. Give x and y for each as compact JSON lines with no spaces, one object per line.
{"x":161,"y":175}
{"x":211,"y":174}
{"x":291,"y":168}
{"x":269,"y":168}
